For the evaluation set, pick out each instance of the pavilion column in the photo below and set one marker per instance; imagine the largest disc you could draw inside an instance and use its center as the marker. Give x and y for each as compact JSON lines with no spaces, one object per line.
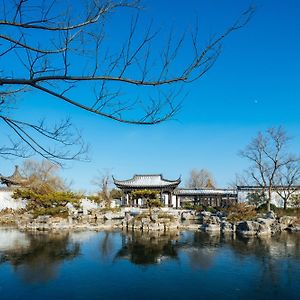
{"x":127,"y":199}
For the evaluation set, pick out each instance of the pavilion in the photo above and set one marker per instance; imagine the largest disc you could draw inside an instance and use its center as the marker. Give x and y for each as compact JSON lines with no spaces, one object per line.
{"x":156,"y":182}
{"x":172,"y":196}
{"x":16,"y":179}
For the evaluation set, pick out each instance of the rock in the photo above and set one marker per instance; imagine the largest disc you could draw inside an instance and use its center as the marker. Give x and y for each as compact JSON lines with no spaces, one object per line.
{"x":251,"y":228}
{"x":287,"y":221}
{"x":271,"y":215}
{"x":266,"y":221}
{"x":247,"y":228}
{"x":227,"y":227}
{"x":205,"y":213}
{"x":264,"y":229}
{"x":294,"y":228}
{"x":214,"y":220}
{"x":186,"y":215}
{"x":42,"y":219}
{"x":154,"y":217}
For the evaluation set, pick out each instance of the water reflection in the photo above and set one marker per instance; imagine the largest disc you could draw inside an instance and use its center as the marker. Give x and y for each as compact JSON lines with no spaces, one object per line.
{"x":149,"y":248}
{"x":36,"y":257}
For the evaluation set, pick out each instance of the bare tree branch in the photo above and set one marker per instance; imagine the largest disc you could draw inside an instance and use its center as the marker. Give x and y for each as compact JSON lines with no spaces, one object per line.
{"x":62,"y":48}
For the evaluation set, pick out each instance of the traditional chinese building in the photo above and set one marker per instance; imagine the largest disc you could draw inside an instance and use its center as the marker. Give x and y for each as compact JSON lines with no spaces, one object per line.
{"x":172,"y":196}
{"x":16,"y":179}
{"x":165,"y":187}
{"x":207,"y":196}
{"x":244,"y":192}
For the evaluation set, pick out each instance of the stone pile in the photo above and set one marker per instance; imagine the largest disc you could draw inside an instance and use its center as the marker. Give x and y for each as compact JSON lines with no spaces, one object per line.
{"x":157,"y":220}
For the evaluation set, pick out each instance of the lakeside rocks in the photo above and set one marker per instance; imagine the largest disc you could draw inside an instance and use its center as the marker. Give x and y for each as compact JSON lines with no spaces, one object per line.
{"x":162,"y":220}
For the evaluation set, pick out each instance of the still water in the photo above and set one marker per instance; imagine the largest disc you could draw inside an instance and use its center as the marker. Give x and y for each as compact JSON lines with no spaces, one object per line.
{"x":115,"y":265}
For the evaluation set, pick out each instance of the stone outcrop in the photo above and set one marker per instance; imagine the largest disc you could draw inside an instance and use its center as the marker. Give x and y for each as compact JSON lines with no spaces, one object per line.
{"x":156,"y":220}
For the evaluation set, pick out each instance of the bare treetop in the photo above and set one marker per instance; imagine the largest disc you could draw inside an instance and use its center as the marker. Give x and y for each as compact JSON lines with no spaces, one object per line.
{"x":61,"y":49}
{"x":272,"y":165}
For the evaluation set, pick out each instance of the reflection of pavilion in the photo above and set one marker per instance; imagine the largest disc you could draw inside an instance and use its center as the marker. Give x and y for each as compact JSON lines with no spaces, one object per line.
{"x":149,"y":248}
{"x":172,"y":196}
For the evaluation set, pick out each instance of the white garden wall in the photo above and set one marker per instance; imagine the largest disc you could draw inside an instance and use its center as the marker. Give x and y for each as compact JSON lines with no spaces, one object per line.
{"x":7,"y":202}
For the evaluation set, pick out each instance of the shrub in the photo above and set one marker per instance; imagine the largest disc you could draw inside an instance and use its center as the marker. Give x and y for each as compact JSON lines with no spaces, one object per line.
{"x":164,"y":215}
{"x":109,"y":209}
{"x":53,"y":203}
{"x":295,"y":201}
{"x":280,"y":212}
{"x":263,"y":207}
{"x":96,"y":198}
{"x":256,"y":199}
{"x":187,"y":205}
{"x":197,"y":207}
{"x":241,"y":212}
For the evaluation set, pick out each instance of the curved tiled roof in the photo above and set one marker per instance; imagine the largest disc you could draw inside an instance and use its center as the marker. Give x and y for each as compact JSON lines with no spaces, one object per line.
{"x":15,"y":179}
{"x":147,"y":181}
{"x":205,"y":191}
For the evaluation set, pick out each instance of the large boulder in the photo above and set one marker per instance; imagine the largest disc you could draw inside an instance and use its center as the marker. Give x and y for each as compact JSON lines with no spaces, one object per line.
{"x":114,"y":216}
{"x":251,"y":228}
{"x":189,"y":215}
{"x":286,"y":222}
{"x":227,"y":226}
{"x":42,"y":219}
{"x":270,"y":215}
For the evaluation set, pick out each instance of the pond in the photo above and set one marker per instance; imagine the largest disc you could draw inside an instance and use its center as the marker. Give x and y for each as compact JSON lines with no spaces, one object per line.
{"x":120,"y":265}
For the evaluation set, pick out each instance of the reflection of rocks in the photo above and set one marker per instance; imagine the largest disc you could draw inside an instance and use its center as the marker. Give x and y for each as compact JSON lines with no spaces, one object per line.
{"x":40,"y":260}
{"x":148,"y":248}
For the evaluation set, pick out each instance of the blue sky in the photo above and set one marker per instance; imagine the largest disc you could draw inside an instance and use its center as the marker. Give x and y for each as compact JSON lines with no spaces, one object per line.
{"x":253,"y":85}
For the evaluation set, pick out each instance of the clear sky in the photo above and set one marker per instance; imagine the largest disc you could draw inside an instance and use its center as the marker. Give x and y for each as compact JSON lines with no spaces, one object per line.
{"x":253,"y":85}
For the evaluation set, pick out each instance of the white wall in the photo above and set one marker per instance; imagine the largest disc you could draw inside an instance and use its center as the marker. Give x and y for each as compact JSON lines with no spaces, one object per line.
{"x":6,"y":201}
{"x":275,"y":198}
{"x":87,"y":204}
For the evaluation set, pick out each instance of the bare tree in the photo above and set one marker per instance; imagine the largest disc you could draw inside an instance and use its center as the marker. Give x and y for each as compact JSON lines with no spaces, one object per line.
{"x":59,"y":49}
{"x":288,"y":181}
{"x":42,"y":176}
{"x":103,"y":182}
{"x":268,"y":156}
{"x":200,"y":179}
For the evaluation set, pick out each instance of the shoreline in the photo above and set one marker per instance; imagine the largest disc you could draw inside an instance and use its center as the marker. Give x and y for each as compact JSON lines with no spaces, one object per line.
{"x":160,"y":221}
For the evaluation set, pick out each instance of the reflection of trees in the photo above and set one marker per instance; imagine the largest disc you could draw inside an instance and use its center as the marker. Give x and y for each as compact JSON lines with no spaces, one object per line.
{"x":40,"y":261}
{"x":148,"y":248}
{"x":106,"y":245}
{"x":272,"y":255}
{"x":201,"y":249}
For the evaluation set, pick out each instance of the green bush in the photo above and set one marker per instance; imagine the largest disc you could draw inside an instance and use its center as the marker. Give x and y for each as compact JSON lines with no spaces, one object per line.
{"x":189,"y":205}
{"x":108,"y":209}
{"x":263,"y":207}
{"x":257,"y":199}
{"x":53,"y":203}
